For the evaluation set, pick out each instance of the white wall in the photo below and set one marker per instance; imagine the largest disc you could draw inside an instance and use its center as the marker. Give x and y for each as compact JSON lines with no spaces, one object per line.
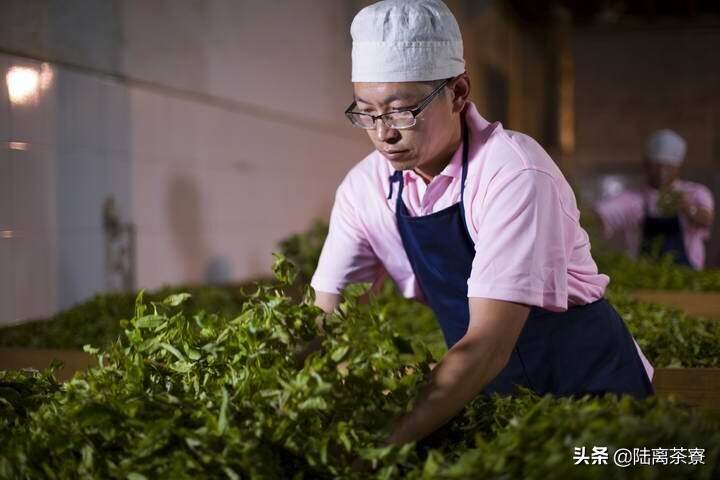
{"x":216,"y":124}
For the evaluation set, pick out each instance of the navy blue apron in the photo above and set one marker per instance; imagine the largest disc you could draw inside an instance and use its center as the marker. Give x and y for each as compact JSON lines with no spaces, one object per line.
{"x":584,"y":350}
{"x":665,"y":232}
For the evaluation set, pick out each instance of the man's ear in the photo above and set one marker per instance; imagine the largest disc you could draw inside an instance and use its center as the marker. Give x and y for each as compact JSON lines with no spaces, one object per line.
{"x":461,"y":92}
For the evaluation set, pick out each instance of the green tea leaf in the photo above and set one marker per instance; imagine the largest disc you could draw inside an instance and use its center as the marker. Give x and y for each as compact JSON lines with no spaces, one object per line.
{"x":222,"y":419}
{"x":150,"y":321}
{"x":176,"y":299}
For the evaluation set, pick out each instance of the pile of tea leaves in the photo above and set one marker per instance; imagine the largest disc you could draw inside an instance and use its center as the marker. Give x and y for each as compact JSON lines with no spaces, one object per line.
{"x":190,"y":393}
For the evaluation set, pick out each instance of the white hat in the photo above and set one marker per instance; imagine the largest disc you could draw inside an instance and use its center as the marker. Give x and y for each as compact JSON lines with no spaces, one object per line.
{"x":406,"y":41}
{"x":666,"y":147}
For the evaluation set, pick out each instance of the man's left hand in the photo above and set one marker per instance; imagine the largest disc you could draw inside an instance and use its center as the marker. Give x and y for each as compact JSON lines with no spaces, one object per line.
{"x":698,"y":215}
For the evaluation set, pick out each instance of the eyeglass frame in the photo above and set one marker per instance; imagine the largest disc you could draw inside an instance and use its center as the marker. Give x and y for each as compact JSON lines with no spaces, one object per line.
{"x":415,"y":111}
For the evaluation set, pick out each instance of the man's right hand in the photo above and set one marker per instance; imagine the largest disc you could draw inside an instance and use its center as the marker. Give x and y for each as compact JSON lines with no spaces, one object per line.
{"x":328,"y":302}
{"x":302,"y":350}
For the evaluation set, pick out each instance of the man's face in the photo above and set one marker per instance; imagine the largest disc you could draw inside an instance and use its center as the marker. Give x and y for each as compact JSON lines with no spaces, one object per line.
{"x":659,"y":175}
{"x":420,"y":144}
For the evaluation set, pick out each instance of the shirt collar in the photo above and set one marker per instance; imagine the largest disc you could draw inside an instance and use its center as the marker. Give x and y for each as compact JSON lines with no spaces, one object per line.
{"x":453,"y":169}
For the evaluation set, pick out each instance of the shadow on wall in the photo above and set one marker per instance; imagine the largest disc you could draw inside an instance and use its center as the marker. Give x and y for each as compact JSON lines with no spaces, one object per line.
{"x":218,"y":270}
{"x":184,"y":214}
{"x":188,"y":231}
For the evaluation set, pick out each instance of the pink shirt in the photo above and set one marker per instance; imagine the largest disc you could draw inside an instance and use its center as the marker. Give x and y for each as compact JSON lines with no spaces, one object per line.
{"x":625,"y":213}
{"x":521,"y":214}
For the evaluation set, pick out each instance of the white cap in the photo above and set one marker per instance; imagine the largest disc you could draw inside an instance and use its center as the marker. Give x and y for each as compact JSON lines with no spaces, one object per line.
{"x":666,"y":147}
{"x":406,"y":41}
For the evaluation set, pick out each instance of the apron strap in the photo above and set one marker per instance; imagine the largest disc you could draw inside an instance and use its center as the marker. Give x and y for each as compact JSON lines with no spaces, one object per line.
{"x":463,"y":177}
{"x":395,"y":177}
{"x":646,"y":204}
{"x":465,"y":158}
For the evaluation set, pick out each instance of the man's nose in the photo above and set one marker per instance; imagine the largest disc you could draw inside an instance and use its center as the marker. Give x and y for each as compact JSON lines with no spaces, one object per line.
{"x":384,"y":132}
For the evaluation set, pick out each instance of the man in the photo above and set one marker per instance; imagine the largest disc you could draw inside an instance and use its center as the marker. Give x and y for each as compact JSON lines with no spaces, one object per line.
{"x":475,"y":220}
{"x":669,"y":215}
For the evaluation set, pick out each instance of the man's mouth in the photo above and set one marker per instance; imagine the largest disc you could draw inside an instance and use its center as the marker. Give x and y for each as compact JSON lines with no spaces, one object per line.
{"x":394,"y":154}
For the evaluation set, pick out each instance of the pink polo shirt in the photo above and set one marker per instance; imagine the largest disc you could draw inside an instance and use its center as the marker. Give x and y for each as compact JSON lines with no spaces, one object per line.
{"x":625,"y":213}
{"x":521,"y":214}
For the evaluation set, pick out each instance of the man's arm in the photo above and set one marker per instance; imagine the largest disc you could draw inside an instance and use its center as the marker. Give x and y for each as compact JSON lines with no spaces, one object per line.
{"x":616,"y":214}
{"x":465,"y":369}
{"x":696,"y":214}
{"x":328,"y":302}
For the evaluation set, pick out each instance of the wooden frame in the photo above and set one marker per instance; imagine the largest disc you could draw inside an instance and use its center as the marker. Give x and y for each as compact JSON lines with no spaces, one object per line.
{"x":696,"y":387}
{"x":696,"y":304}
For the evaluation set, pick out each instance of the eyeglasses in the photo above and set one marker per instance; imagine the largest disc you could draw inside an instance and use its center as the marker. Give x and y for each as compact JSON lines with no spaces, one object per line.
{"x":397,"y":120}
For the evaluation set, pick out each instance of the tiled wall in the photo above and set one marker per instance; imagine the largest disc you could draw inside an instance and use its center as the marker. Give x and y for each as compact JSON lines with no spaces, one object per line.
{"x":59,"y":161}
{"x":216,"y":125}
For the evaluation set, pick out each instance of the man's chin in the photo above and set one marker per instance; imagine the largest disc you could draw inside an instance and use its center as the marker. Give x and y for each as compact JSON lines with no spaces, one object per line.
{"x":403,"y":164}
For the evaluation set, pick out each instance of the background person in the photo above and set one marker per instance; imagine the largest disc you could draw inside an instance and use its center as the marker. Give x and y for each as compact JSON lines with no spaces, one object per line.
{"x":666,"y":216}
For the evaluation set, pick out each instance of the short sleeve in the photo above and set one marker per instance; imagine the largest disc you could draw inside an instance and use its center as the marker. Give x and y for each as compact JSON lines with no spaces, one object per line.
{"x":704,"y":198}
{"x":347,"y":256}
{"x":520,"y":253}
{"x":620,"y":212}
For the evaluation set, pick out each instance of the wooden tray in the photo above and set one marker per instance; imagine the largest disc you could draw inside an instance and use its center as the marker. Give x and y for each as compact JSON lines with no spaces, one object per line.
{"x":697,"y":387}
{"x":698,"y":304}
{"x":73,"y":360}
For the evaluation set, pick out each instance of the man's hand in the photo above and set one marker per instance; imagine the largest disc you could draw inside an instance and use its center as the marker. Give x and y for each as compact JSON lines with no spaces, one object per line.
{"x":304,"y":349}
{"x":327,"y":302}
{"x":697,"y":215}
{"x":466,"y":368}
